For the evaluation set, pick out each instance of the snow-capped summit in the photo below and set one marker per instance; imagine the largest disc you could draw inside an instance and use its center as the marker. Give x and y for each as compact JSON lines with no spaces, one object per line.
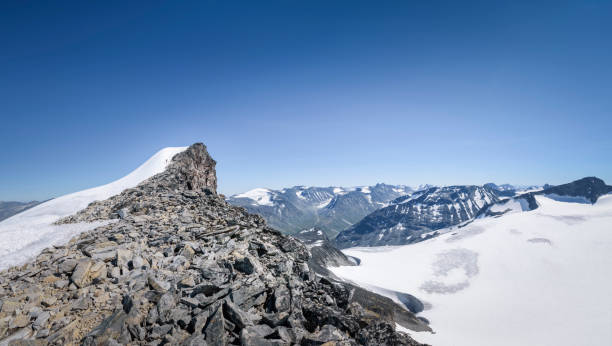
{"x":258,"y":196}
{"x":27,"y":233}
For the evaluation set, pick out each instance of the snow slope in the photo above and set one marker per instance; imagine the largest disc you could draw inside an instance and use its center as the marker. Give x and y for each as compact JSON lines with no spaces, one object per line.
{"x":259,"y":196}
{"x":24,"y":235}
{"x":540,"y":277}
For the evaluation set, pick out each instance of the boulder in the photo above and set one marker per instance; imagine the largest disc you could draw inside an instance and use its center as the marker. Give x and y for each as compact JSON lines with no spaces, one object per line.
{"x":87,"y":271}
{"x":215,"y":328}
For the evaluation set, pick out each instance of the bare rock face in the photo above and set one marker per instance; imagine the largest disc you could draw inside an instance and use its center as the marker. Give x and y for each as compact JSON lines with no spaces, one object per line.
{"x":193,"y":169}
{"x":180,"y":266}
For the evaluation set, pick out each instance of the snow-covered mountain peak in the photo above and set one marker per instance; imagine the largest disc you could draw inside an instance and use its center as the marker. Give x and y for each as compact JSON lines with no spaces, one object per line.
{"x":260,"y":196}
{"x":27,"y":233}
{"x":57,"y":208}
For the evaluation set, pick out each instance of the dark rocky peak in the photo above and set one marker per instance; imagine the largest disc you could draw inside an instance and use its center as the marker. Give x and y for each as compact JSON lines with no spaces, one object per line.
{"x":192,"y":169}
{"x":590,"y":188}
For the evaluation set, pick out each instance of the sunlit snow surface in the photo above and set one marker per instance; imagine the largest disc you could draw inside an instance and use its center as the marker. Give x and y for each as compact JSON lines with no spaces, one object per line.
{"x":541,"y":277}
{"x":259,"y":196}
{"x":24,"y":235}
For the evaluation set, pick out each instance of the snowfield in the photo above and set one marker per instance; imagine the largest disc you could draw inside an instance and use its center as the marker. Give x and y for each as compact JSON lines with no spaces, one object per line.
{"x":24,"y":235}
{"x":540,"y":277}
{"x":259,"y":196}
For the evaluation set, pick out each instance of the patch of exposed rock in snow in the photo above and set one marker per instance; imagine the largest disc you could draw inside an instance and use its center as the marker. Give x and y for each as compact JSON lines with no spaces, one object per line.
{"x":24,"y":235}
{"x":538,"y":277}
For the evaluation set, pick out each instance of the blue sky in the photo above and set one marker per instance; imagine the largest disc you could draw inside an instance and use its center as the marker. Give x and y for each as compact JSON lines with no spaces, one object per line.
{"x":305,"y":92}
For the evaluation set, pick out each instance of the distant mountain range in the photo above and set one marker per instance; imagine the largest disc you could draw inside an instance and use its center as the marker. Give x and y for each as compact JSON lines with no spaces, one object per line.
{"x":330,"y":209}
{"x":411,"y":218}
{"x":423,"y":214}
{"x":8,"y":209}
{"x":397,"y":214}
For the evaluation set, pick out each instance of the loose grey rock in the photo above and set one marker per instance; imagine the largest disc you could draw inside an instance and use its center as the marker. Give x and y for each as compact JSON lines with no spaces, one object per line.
{"x":158,"y":285}
{"x":233,"y":313}
{"x":67,"y":266}
{"x":86,"y":271}
{"x":41,"y":320}
{"x":215,"y":329}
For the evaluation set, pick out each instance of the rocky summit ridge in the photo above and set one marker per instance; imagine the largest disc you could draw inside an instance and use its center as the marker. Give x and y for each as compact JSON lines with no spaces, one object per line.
{"x":177,"y":265}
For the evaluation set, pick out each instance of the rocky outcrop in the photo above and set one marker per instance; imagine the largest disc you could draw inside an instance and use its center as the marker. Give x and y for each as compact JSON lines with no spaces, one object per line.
{"x":177,"y":265}
{"x":193,"y":169}
{"x":322,"y":253}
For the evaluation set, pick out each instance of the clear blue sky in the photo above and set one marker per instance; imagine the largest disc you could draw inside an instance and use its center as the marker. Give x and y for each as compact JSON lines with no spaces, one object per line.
{"x":305,"y":92}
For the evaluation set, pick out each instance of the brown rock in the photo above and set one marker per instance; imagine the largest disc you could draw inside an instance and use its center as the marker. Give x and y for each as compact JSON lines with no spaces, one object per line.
{"x":86,"y":271}
{"x":19,"y":321}
{"x":10,"y":306}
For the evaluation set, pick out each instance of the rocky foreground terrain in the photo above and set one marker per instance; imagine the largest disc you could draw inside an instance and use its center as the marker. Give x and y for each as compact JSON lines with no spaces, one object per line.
{"x":177,"y":265}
